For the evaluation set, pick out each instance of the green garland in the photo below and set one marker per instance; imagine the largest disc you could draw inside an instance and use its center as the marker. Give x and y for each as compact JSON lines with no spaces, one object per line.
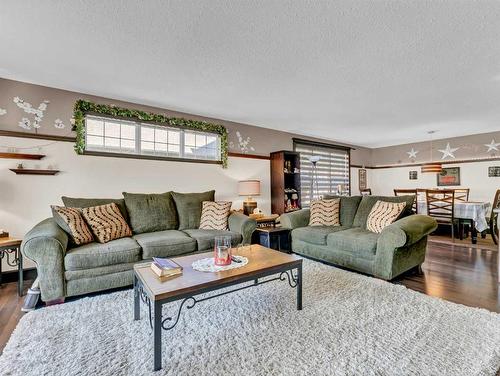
{"x":83,"y":107}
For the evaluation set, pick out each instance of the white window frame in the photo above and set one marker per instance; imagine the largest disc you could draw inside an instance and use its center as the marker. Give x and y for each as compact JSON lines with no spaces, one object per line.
{"x":213,"y":157}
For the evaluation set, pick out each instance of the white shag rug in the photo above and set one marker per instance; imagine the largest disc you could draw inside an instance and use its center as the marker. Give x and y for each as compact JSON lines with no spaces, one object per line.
{"x":350,"y":325}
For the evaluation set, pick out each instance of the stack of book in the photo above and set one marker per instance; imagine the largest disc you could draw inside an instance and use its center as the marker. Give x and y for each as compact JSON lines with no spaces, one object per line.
{"x":165,"y":268}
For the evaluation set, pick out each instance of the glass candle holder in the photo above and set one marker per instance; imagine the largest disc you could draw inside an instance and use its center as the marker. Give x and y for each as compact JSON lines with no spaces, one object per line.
{"x":222,"y":250}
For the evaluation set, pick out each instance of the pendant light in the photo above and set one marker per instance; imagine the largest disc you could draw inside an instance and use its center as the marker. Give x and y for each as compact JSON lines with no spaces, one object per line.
{"x":431,"y":166}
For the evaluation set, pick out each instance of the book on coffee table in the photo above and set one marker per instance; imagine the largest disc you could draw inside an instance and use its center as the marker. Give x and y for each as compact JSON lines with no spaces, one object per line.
{"x":165,"y":268}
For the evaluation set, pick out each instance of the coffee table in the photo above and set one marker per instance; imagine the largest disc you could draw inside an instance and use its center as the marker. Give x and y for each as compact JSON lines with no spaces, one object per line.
{"x":264,"y":265}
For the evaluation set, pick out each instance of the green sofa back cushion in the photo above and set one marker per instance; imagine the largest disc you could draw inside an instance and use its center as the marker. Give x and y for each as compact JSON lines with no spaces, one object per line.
{"x":150,"y":212}
{"x":189,"y":208}
{"x":367,"y":203}
{"x":74,"y":202}
{"x":348,"y":207}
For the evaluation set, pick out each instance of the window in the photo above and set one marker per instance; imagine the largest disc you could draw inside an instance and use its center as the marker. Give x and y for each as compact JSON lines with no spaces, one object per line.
{"x":135,"y":138}
{"x":324,"y":170}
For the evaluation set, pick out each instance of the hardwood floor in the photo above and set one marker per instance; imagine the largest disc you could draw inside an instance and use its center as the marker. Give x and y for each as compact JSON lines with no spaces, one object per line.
{"x":455,"y":272}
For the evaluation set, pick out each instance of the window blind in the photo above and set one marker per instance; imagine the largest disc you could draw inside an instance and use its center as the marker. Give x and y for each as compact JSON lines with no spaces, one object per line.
{"x":329,"y":174}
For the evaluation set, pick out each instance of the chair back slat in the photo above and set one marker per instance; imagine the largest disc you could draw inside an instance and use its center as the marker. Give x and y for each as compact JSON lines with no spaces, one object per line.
{"x":462,"y":194}
{"x":441,"y":204}
{"x":408,"y":192}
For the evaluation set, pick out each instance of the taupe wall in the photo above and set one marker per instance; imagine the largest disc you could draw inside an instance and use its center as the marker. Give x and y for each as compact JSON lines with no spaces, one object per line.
{"x":262,"y":140}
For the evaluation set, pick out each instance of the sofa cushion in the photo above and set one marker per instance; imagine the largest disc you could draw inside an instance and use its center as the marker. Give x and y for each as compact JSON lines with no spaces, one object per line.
{"x":315,"y":234}
{"x":151,"y":212}
{"x":360,"y":242}
{"x":367,"y":203}
{"x":74,"y":202}
{"x":206,"y":238}
{"x":189,"y":207}
{"x":94,"y":255}
{"x":348,"y":207}
{"x":165,"y":243}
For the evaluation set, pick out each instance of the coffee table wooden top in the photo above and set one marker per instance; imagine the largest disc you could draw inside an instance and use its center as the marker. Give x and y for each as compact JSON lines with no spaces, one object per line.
{"x":260,"y":259}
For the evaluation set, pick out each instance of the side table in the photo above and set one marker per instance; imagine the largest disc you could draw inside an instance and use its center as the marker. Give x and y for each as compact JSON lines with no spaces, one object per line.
{"x":277,"y":238}
{"x":12,"y":247}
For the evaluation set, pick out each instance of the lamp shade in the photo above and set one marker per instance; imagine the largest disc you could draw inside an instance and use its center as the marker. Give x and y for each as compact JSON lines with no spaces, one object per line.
{"x":249,"y":187}
{"x":431,"y":167}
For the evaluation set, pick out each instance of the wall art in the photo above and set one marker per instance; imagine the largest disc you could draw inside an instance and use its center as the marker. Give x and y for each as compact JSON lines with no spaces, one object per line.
{"x":494,"y":172}
{"x":362,"y":181}
{"x":413,"y":175}
{"x":448,"y":176}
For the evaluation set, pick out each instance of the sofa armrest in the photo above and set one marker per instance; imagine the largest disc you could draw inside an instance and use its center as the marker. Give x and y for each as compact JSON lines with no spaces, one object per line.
{"x":299,"y":218}
{"x":243,"y":224}
{"x":46,"y":245}
{"x":402,"y":233}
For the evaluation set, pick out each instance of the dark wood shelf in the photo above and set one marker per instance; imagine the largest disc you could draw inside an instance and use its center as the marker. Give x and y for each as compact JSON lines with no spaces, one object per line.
{"x":27,"y":171}
{"x":21,"y":156}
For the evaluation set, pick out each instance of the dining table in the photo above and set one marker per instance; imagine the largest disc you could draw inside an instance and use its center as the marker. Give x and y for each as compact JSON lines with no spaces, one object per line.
{"x":476,"y":211}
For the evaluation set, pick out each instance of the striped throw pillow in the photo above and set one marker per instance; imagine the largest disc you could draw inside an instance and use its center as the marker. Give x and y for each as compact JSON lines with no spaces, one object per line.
{"x":107,"y":222}
{"x":383,"y":214}
{"x":214,"y":215}
{"x":325,"y":212}
{"x":71,"y":221}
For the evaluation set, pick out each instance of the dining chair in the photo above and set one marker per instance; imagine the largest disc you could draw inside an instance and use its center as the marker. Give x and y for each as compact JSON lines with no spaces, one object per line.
{"x":462,"y":195}
{"x":441,"y":207}
{"x":493,"y":220}
{"x":408,"y":192}
{"x":366,"y":192}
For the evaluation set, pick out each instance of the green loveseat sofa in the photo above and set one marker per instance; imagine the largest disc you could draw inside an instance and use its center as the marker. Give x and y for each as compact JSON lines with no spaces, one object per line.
{"x":399,"y":247}
{"x":163,"y":225}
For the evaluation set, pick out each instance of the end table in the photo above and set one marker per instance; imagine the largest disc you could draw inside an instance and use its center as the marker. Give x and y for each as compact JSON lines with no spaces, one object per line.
{"x":277,"y":238}
{"x":12,"y":247}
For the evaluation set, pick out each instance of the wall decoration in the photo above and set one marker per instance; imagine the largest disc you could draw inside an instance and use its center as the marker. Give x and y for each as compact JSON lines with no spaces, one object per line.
{"x":448,"y":152}
{"x":412,"y":154}
{"x":362,"y":181}
{"x":3,"y":111}
{"x":58,"y":123}
{"x":83,"y":107}
{"x":244,"y":144}
{"x":493,"y":146}
{"x":448,"y":176}
{"x":494,"y":172}
{"x":413,"y":175}
{"x":28,"y":108}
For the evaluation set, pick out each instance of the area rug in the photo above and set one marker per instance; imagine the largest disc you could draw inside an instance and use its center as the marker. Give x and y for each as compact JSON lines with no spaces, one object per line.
{"x":350,"y":325}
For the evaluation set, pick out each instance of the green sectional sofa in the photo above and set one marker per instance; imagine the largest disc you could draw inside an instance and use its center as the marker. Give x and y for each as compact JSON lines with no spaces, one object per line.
{"x":399,"y":247}
{"x":163,"y":225}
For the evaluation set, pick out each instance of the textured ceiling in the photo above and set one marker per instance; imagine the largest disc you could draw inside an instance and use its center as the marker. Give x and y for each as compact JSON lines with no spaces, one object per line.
{"x":371,"y":73}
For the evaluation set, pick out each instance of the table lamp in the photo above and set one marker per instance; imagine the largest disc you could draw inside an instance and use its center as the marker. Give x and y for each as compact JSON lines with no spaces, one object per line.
{"x":249,"y":188}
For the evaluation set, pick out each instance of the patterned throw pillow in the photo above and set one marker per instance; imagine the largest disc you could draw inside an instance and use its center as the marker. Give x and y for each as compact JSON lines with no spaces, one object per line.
{"x":71,"y":221}
{"x":325,"y":212}
{"x":107,"y":222}
{"x":214,"y":215}
{"x":383,"y":214}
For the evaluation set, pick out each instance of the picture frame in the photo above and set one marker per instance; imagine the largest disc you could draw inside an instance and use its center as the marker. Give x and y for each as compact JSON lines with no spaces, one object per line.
{"x":362,"y":183}
{"x":494,"y":172}
{"x":449,"y":176}
{"x":413,"y":175}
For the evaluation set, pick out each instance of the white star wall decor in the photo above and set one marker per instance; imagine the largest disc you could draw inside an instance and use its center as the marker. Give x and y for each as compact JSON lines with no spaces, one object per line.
{"x":448,"y":152}
{"x":493,"y":146}
{"x":3,"y":111}
{"x":412,"y":154}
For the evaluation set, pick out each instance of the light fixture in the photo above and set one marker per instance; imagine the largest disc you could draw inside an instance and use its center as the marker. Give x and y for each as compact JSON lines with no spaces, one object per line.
{"x":249,"y":188}
{"x":431,"y":167}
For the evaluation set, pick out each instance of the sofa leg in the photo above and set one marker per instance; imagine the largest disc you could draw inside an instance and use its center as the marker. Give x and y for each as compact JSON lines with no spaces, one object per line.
{"x":54,"y":302}
{"x":419,"y":269}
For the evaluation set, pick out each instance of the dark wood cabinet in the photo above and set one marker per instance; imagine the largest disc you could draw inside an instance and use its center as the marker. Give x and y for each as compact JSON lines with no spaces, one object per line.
{"x":285,"y":182}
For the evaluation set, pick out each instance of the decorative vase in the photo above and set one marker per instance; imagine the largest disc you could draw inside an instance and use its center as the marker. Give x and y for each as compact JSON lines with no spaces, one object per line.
{"x":222,"y":250}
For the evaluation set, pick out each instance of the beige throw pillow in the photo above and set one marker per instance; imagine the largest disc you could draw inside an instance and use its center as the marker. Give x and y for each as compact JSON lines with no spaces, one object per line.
{"x":214,"y":215}
{"x":107,"y":222}
{"x":71,"y":221}
{"x":325,"y":212}
{"x":383,"y":214}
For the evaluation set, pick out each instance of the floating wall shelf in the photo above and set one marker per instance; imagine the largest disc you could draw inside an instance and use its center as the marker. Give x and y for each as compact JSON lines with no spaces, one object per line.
{"x":21,"y":156}
{"x":27,"y":171}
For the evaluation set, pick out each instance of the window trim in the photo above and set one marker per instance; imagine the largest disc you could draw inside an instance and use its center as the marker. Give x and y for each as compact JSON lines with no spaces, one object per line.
{"x":102,"y":153}
{"x":347,"y":149}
